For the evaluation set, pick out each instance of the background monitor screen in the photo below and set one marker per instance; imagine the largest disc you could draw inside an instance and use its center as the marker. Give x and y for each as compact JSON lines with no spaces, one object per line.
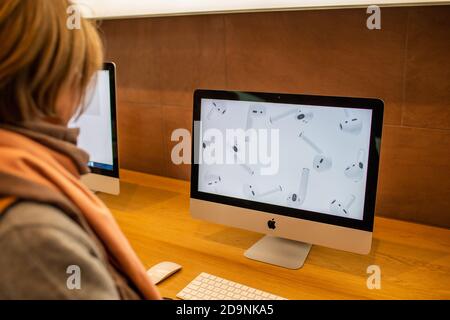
{"x":319,"y":163}
{"x":96,"y":124}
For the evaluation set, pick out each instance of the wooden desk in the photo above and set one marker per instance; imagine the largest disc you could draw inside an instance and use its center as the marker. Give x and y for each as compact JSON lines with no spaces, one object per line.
{"x":154,"y":214}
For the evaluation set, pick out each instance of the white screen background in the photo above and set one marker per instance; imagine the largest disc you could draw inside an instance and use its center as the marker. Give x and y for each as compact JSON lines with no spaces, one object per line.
{"x":95,"y":123}
{"x":295,"y":155}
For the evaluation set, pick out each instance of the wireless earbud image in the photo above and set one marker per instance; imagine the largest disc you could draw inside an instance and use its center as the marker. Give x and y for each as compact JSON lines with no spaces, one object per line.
{"x":297,"y":199}
{"x":298,"y":114}
{"x":351,"y":124}
{"x":342,"y":209}
{"x":356,"y":170}
{"x":235,"y":150}
{"x":321,"y":161}
{"x":254,"y":112}
{"x":207,"y":143}
{"x":251,"y":192}
{"x":212,"y":180}
{"x":217,"y":109}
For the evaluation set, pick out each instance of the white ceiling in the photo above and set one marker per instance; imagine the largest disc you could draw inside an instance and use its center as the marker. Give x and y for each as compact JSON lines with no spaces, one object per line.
{"x":136,"y":8}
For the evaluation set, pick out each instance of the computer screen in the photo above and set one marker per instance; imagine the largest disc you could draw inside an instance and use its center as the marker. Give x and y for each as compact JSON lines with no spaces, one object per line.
{"x":95,"y":123}
{"x":315,"y":157}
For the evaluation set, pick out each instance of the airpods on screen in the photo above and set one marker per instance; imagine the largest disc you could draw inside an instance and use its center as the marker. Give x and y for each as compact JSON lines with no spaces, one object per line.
{"x":356,"y":170}
{"x":321,"y":161}
{"x":252,"y":192}
{"x":342,"y":208}
{"x":297,"y":199}
{"x":350,"y":123}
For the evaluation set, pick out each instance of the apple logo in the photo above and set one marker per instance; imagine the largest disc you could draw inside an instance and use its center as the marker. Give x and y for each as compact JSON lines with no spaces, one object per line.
{"x":272,"y":224}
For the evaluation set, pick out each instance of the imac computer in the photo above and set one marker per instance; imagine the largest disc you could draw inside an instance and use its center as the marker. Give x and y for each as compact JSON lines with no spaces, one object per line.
{"x":301,"y":169}
{"x":98,"y":132}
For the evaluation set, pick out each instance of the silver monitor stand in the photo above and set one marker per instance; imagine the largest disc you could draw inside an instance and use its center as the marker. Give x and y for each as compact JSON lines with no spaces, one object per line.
{"x":280,"y":252}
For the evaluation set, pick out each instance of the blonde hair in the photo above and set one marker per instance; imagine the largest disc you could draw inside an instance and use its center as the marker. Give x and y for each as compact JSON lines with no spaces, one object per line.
{"x":40,"y":55}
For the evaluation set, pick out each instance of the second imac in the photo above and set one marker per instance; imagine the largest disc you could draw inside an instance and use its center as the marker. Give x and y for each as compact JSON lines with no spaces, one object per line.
{"x":98,"y":132}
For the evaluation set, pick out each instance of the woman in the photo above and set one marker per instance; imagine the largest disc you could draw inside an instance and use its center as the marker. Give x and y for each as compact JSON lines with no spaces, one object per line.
{"x":57,"y":240}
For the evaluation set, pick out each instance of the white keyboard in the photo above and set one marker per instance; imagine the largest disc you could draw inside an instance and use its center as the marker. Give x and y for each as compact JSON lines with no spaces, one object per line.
{"x":209,"y":287}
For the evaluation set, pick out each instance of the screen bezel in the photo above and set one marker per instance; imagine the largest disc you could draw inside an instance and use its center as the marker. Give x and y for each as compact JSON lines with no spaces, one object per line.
{"x":111,"y":68}
{"x":377,"y":107}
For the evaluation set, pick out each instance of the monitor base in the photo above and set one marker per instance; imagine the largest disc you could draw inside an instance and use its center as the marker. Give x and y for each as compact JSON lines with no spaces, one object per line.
{"x":281,"y":252}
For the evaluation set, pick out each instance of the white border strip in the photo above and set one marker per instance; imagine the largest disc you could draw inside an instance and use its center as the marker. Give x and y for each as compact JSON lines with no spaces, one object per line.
{"x":122,"y":9}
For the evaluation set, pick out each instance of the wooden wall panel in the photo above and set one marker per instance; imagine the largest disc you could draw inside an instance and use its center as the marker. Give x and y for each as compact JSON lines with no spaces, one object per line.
{"x":162,"y":60}
{"x":324,"y":52}
{"x":134,"y":47}
{"x":141,"y":137}
{"x":427,"y":83}
{"x":192,"y":54}
{"x":414,"y":183}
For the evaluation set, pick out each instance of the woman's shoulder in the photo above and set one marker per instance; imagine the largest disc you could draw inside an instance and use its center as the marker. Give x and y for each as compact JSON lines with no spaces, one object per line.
{"x":41,"y":220}
{"x":40,"y":244}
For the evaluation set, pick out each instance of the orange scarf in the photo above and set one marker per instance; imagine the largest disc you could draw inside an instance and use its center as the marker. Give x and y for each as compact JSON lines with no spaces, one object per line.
{"x":28,"y":160}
